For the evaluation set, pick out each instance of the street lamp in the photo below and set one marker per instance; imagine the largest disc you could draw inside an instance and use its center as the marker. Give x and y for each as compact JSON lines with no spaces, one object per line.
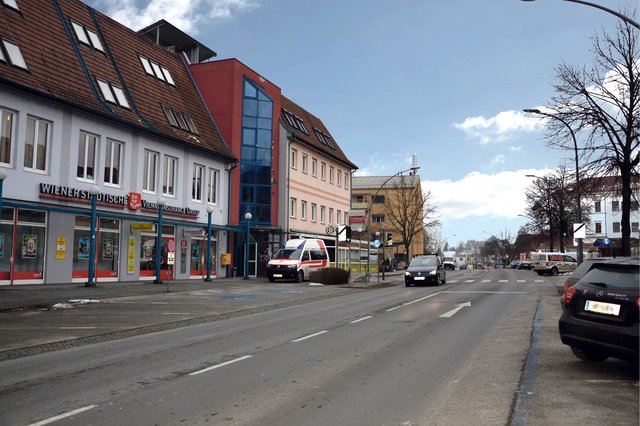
{"x":413,"y":169}
{"x":160,"y":202}
{"x":575,"y":149}
{"x":209,"y":212}
{"x":247,"y":218}
{"x":93,"y":190}
{"x":606,"y":9}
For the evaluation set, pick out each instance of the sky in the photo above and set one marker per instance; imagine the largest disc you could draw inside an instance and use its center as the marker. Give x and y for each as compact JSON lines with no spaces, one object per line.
{"x":443,"y":80}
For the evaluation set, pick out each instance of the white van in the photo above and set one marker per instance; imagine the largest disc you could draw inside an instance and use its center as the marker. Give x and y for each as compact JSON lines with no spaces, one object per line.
{"x":553,"y":263}
{"x":297,"y":259}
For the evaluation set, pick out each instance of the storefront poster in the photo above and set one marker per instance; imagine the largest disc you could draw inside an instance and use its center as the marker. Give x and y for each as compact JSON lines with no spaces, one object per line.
{"x":83,"y":248}
{"x":131,"y":256}
{"x":61,"y":247}
{"x":1,"y":245}
{"x":29,"y":246}
{"x":107,"y":249}
{"x":195,"y":252}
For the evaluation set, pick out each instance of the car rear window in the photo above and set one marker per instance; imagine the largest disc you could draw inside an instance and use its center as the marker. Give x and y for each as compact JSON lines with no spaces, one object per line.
{"x":614,"y":276}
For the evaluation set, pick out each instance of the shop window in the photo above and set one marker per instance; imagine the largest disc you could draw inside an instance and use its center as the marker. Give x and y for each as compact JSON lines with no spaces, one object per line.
{"x":30,"y":250}
{"x":107,"y":249}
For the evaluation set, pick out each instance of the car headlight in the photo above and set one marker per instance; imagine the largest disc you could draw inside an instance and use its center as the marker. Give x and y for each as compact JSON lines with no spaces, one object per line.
{"x":293,"y":266}
{"x":407,"y":274}
{"x":432,"y":272}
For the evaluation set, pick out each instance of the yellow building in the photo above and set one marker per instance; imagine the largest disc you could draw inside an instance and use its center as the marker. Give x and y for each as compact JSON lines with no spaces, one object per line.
{"x":393,"y":206}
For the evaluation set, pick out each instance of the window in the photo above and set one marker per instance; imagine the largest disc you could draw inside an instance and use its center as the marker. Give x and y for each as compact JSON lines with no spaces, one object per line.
{"x":6,"y":136}
{"x":634,"y":227}
{"x":212,"y":186}
{"x":292,"y":207}
{"x":314,"y":167}
{"x":634,"y":205}
{"x":169,"y":178}
{"x":346,"y":181}
{"x":330,"y":215}
{"x":321,"y":214}
{"x":13,"y":54}
{"x":616,"y":227}
{"x":112,"y":93}
{"x":156,"y":70}
{"x":35,"y":150}
{"x":87,"y":36}
{"x":358,"y":199}
{"x":305,"y":161}
{"x":378,"y":199}
{"x":295,"y":121}
{"x":377,"y":218}
{"x":330,"y":174}
{"x":598,"y":227}
{"x":346,"y":218}
{"x":339,"y":176}
{"x":11,"y":3}
{"x":598,"y":206}
{"x":294,"y":158}
{"x":113,"y":162}
{"x":323,"y":168}
{"x":303,"y":210}
{"x":196,"y":183}
{"x":326,"y":140}
{"x":180,"y":120}
{"x":313,"y":212}
{"x":338,"y":214}
{"x":149,"y":176}
{"x":87,"y":157}
{"x":615,"y":206}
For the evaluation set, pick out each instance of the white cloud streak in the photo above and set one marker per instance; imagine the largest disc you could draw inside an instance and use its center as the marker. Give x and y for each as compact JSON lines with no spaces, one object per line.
{"x":498,"y":128}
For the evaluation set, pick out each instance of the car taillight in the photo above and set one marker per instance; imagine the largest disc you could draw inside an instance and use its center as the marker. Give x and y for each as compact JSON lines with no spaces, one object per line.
{"x":568,"y":294}
{"x":638,"y":303}
{"x":565,"y":287}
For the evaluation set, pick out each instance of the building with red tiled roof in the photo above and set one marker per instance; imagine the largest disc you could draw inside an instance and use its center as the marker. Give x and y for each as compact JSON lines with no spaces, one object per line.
{"x":88,"y":103}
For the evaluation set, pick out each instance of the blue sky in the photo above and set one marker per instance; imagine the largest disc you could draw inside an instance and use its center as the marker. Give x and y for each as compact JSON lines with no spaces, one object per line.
{"x":444,"y":80}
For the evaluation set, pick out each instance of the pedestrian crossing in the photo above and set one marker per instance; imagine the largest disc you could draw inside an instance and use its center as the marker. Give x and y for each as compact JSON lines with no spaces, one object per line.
{"x":469,"y":281}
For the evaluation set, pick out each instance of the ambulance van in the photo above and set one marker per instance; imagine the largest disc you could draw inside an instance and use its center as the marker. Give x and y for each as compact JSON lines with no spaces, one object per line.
{"x":297,"y":259}
{"x":553,"y":263}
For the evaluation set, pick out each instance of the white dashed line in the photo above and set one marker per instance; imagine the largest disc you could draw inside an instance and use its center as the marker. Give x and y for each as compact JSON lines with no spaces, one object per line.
{"x":539,"y":281}
{"x":522,"y":281}
{"x":176,"y":313}
{"x":413,"y":301}
{"x":77,"y":328}
{"x":213,"y":367}
{"x":63,"y":416}
{"x":486,"y":281}
{"x":360,"y":319}
{"x":469,"y":281}
{"x":453,"y":281}
{"x":309,"y":336}
{"x":503,"y":281}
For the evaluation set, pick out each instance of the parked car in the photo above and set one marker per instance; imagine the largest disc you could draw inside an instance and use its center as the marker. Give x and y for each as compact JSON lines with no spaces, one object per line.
{"x":600,"y":312}
{"x":514,"y":264}
{"x":425,"y":269}
{"x":525,"y":264}
{"x":449,"y":263}
{"x":582,"y":269}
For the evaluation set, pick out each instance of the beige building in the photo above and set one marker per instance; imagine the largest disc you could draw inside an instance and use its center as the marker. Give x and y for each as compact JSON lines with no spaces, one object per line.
{"x":394,"y":207}
{"x":317,"y":175}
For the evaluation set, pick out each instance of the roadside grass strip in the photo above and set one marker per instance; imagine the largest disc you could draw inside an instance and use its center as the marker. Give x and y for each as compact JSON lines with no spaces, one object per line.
{"x":63,"y":416}
{"x":213,"y":367}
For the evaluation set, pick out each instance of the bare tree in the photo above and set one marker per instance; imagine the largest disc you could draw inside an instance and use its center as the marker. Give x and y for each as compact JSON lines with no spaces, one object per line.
{"x":409,"y":211}
{"x":603,"y":104}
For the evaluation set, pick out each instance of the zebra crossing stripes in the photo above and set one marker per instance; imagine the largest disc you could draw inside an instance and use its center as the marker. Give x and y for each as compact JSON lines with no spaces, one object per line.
{"x":490,"y":281}
{"x":503,"y":281}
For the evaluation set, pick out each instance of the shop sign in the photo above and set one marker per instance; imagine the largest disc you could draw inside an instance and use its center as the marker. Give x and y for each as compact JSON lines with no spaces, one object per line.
{"x":135,"y":201}
{"x":131,"y":256}
{"x":178,"y":211}
{"x":142,"y":227}
{"x":61,"y":247}
{"x":356,"y":219}
{"x":225,"y":259}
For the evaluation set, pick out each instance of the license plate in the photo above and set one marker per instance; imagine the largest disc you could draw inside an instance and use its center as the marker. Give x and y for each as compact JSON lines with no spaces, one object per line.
{"x":602,"y":307}
{"x":277,"y":275}
{"x":418,"y":278}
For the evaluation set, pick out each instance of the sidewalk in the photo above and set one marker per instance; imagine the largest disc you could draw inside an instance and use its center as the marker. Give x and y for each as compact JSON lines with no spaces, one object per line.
{"x":42,"y":318}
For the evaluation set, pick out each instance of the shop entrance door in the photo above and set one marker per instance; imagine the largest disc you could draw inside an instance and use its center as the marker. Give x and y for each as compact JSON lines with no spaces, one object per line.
{"x":148,"y":257}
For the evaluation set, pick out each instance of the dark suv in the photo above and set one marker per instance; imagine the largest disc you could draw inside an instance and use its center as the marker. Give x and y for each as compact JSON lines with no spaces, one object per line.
{"x":600,"y":312}
{"x":427,"y":269}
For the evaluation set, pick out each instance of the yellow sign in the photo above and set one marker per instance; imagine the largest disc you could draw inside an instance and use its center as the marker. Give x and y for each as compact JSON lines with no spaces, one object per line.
{"x":142,"y":226}
{"x":61,"y":247}
{"x":225,"y":259}
{"x":131,"y":255}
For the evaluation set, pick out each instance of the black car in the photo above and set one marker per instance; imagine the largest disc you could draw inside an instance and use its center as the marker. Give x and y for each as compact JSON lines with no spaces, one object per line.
{"x":525,"y":264}
{"x":600,"y":312}
{"x":425,"y":270}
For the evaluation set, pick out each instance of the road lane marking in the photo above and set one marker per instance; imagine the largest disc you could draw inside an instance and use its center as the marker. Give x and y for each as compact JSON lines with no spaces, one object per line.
{"x":455,"y":310}
{"x":159,"y":303}
{"x":539,"y":281}
{"x":503,"y":281}
{"x":521,"y":281}
{"x":453,"y":281}
{"x":62,"y":416}
{"x":309,"y":336}
{"x":176,"y":313}
{"x":77,"y":328}
{"x":486,"y":281}
{"x":484,"y":292}
{"x":412,"y":302}
{"x":213,"y":367}
{"x":469,"y":281}
{"x":361,"y":319}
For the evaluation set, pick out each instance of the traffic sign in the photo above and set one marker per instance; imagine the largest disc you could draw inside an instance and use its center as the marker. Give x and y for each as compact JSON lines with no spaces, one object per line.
{"x":579,"y":230}
{"x":171,"y":258}
{"x":376,"y":243}
{"x":171,"y":245}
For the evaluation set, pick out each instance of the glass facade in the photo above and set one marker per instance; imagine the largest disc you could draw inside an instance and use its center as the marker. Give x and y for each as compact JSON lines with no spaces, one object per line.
{"x":255,"y":156}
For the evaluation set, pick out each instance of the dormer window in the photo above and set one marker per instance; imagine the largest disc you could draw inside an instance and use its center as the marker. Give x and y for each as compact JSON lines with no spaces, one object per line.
{"x":295,"y":121}
{"x":113,"y":94}
{"x":180,"y":120}
{"x":87,"y":36}
{"x":10,"y":52}
{"x":326,"y":140}
{"x":156,"y":70}
{"x":11,"y":3}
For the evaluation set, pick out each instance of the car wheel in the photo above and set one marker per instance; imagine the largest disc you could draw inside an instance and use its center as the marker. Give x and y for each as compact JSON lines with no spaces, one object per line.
{"x":589,"y":355}
{"x":271,"y":279}
{"x":407,"y":284}
{"x":300,"y":276}
{"x":554,"y":271}
{"x":540,"y":273}
{"x":444,"y":280}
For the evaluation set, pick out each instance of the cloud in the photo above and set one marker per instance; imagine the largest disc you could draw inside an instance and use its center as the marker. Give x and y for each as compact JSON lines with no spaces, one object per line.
{"x":498,"y":128}
{"x":483,"y":195}
{"x":188,"y":15}
{"x":498,"y":159}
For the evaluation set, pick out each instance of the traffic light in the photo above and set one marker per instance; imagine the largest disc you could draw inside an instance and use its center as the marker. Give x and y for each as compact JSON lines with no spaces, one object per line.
{"x":347,"y":232}
{"x":563,"y":227}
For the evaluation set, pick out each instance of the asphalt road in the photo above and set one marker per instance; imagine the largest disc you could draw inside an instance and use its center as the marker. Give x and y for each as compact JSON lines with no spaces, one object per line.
{"x":482,"y":349}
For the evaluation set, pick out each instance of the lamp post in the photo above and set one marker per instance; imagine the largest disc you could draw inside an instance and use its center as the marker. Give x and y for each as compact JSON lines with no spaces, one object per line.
{"x":3,"y":176}
{"x":209,"y":212}
{"x":378,"y":253}
{"x":247,"y":218}
{"x":414,"y":167}
{"x":93,"y":190}
{"x":606,"y":9}
{"x":160,"y":202}
{"x":575,"y":149}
